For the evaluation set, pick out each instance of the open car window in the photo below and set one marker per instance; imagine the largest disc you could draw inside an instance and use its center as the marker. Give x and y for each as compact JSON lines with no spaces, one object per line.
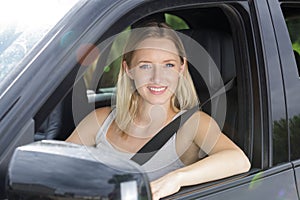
{"x":220,"y":43}
{"x":220,"y":40}
{"x":216,"y":40}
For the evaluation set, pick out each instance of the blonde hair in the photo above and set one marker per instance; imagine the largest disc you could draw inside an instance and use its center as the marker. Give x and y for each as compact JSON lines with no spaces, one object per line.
{"x":127,"y":97}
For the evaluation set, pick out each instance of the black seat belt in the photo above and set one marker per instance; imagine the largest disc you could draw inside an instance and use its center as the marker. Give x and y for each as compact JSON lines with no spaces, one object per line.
{"x":153,"y":145}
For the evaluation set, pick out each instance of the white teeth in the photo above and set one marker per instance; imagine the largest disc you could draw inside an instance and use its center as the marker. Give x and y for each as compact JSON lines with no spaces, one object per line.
{"x":157,"y":89}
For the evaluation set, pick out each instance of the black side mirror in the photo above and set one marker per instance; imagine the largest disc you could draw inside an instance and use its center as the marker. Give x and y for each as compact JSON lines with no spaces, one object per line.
{"x":61,"y":170}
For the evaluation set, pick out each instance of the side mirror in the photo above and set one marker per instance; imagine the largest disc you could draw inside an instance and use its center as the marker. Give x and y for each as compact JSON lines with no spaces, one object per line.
{"x":61,"y":170}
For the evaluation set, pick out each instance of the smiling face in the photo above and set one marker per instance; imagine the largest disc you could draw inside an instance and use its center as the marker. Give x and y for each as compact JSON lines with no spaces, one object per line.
{"x":155,"y":69}
{"x":154,"y":76}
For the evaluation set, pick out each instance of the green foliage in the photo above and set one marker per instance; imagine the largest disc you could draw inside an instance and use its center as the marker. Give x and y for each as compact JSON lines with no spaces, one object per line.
{"x":296,"y":46}
{"x":176,"y":22}
{"x":293,"y":25}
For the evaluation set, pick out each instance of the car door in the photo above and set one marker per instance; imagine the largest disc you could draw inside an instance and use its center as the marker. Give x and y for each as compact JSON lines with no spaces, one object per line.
{"x":288,"y":20}
{"x":63,"y":65}
{"x":255,"y":53}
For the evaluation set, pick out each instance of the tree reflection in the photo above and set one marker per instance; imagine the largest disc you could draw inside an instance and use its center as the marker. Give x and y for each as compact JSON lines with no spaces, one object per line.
{"x":294,"y":126}
{"x":281,"y":139}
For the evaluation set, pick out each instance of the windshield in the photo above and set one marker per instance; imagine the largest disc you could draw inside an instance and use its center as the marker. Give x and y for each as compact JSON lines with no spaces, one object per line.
{"x":23,"y":24}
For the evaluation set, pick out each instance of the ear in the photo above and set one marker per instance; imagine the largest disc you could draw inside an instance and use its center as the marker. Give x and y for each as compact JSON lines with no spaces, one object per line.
{"x":183,"y":66}
{"x":126,"y":69}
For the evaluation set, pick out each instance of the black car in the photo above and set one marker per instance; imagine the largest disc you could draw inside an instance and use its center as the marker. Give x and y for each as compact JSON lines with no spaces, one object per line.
{"x":48,"y":85}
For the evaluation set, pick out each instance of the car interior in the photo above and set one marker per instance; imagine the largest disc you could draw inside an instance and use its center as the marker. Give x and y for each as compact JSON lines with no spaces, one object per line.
{"x":208,"y":26}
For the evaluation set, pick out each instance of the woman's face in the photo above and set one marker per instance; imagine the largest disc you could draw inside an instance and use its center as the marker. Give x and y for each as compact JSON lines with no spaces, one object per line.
{"x":155,"y":69}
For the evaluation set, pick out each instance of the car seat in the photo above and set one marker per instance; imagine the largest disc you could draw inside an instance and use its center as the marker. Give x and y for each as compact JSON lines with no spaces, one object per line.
{"x":219,"y":45}
{"x":50,"y":128}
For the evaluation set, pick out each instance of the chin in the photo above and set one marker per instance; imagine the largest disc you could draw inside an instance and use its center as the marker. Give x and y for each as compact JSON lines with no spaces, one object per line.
{"x":159,"y":102}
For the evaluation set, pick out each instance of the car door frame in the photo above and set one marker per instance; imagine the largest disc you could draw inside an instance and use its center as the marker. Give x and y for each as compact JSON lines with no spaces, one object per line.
{"x":289,"y":71}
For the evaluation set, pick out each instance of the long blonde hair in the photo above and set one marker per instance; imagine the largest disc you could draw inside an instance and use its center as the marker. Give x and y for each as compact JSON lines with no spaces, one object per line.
{"x":127,"y":96}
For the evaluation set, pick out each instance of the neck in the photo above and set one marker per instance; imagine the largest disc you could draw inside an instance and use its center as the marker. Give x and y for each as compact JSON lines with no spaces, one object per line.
{"x":148,"y":113}
{"x":150,"y":119}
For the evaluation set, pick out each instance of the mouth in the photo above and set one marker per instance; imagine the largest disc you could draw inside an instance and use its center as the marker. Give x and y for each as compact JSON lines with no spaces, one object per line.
{"x":157,"y":90}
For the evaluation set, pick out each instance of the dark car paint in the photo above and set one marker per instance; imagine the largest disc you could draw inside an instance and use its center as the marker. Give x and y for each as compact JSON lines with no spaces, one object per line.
{"x":270,"y":79}
{"x":58,"y":171}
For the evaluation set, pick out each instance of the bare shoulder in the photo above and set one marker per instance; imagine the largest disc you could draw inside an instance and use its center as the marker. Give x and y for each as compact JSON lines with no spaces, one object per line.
{"x":97,"y":116}
{"x":102,"y":113}
{"x":199,"y":121}
{"x":197,"y":128}
{"x":87,"y":129}
{"x":204,"y":117}
{"x":205,"y":121}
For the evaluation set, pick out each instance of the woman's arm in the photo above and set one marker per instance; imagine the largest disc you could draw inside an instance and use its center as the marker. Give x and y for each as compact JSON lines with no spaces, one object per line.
{"x":224,"y":159}
{"x":86,"y":131}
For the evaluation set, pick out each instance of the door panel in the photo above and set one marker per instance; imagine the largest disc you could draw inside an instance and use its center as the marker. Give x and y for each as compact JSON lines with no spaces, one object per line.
{"x":23,"y":137}
{"x":277,"y":183}
{"x":297,"y":173}
{"x":277,"y":186}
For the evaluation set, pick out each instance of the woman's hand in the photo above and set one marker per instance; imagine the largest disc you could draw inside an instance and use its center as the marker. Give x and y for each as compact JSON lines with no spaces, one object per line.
{"x":165,"y":186}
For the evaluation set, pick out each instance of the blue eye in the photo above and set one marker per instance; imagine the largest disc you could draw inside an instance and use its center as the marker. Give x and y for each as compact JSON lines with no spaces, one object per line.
{"x":145,"y":66}
{"x":169,"y":65}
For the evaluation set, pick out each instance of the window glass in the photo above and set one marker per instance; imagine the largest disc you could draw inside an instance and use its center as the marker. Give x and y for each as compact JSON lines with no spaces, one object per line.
{"x":292,"y":18}
{"x":23,"y":24}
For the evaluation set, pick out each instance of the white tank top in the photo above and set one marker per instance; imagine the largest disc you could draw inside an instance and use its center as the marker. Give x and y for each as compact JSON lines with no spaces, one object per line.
{"x":163,"y":162}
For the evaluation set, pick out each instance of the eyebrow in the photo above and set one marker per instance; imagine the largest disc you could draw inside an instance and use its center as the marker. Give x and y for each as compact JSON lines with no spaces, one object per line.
{"x":144,"y":61}
{"x":174,"y":60}
{"x":147,"y":61}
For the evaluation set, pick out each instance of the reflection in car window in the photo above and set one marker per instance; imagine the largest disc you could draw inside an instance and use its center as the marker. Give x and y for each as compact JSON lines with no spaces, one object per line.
{"x":292,"y":18}
{"x":23,"y":24}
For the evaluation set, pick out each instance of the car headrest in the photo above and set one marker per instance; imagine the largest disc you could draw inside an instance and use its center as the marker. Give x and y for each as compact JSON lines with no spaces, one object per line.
{"x":219,"y":45}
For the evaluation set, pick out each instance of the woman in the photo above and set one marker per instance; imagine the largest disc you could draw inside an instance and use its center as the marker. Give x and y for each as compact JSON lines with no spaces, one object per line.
{"x":154,"y":87}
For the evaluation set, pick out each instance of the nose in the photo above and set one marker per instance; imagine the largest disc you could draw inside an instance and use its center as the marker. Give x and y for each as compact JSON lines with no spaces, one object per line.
{"x":157,"y":74}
